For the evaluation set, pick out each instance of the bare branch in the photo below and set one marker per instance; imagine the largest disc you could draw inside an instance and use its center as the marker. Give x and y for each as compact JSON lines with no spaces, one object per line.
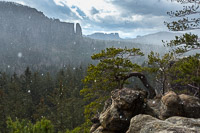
{"x":193,"y":86}
{"x":187,"y":1}
{"x":142,"y":77}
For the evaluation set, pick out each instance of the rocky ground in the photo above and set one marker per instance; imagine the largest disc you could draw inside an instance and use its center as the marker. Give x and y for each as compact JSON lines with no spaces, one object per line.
{"x":129,"y":111}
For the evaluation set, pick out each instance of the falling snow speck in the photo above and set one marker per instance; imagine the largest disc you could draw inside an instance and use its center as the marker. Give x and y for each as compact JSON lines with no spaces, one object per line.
{"x":8,"y":66}
{"x":19,"y":54}
{"x":29,"y":91}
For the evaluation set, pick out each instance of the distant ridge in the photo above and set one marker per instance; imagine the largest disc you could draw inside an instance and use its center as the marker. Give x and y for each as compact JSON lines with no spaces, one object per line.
{"x":155,"y":38}
{"x":104,"y":36}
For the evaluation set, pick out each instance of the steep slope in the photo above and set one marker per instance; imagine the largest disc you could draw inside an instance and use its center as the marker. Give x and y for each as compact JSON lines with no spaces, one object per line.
{"x":29,"y":38}
{"x":22,"y":22}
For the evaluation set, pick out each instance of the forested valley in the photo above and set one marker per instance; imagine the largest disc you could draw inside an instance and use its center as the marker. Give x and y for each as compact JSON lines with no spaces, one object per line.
{"x":32,"y":96}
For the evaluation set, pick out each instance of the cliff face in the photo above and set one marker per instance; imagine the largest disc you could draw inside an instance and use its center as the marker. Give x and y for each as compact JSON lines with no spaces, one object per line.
{"x":40,"y":41}
{"x":19,"y":22}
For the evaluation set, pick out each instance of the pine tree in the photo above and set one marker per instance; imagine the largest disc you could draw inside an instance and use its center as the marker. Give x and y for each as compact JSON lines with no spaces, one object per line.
{"x":160,"y":66}
{"x":115,"y":66}
{"x":187,"y":20}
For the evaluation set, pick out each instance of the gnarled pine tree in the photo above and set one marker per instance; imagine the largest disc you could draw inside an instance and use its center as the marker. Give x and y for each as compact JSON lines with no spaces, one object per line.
{"x":115,"y":66}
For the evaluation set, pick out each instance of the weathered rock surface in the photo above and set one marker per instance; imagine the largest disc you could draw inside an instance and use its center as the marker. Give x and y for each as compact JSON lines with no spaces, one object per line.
{"x":191,"y":106}
{"x":78,"y":30}
{"x":170,"y":105}
{"x":153,"y":107}
{"x":165,"y":114}
{"x":126,"y":103}
{"x":149,"y":124}
{"x":100,"y":129}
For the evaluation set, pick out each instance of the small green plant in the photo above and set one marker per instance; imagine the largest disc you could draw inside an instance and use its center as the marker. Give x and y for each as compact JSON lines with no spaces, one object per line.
{"x":23,"y":126}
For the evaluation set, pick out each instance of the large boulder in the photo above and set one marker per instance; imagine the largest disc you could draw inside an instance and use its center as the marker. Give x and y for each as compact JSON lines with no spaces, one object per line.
{"x":170,"y":105}
{"x":126,"y":103}
{"x":100,"y":129}
{"x":191,"y":106}
{"x":179,"y":105}
{"x":149,"y":124}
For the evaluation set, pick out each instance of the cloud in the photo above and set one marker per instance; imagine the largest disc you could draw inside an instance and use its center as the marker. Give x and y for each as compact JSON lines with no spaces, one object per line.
{"x":135,"y":16}
{"x":78,"y":12}
{"x":145,"y":7}
{"x":94,"y":11}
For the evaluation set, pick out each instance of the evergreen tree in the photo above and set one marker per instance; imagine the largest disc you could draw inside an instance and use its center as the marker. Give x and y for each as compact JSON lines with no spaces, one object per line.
{"x":187,"y":20}
{"x":60,"y":108}
{"x":19,"y":101}
{"x":3,"y":102}
{"x":186,"y":72}
{"x":160,"y":66}
{"x":114,"y":68}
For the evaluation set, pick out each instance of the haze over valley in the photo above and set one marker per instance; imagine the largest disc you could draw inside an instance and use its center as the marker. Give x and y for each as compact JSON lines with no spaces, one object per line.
{"x":29,"y":38}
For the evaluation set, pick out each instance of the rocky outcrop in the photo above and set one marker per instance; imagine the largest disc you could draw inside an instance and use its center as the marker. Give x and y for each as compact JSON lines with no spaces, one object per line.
{"x":149,"y":124}
{"x":126,"y":103}
{"x":78,"y":30}
{"x":169,"y":113}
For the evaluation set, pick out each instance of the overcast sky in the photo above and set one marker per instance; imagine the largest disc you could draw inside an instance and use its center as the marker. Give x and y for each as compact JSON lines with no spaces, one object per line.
{"x":127,"y":17}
